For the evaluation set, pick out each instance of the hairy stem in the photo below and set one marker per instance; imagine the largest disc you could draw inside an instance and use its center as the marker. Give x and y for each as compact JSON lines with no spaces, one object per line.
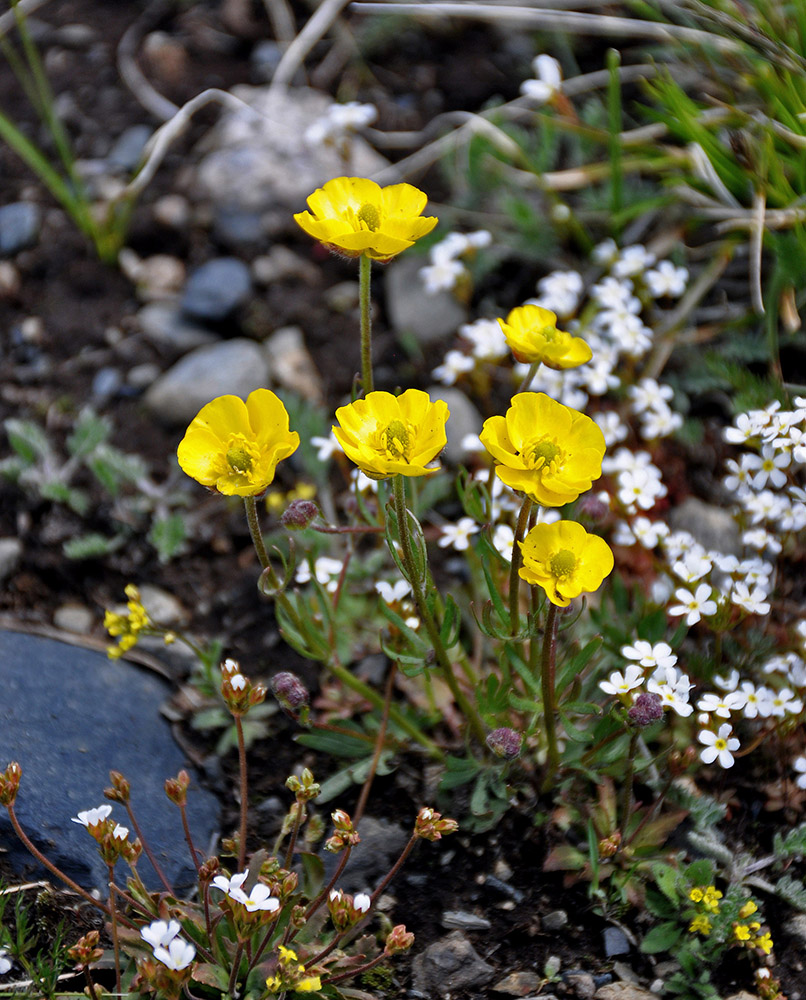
{"x":364,"y":280}
{"x":244,"y":792}
{"x":515,"y":565}
{"x":443,"y":660}
{"x":113,"y":910}
{"x":547,"y":675}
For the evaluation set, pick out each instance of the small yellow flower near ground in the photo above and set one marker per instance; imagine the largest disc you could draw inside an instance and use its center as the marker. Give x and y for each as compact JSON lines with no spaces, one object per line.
{"x":355,"y":216}
{"x":748,"y":909}
{"x":233,"y":447}
{"x":564,"y":560}
{"x":710,"y":899}
{"x":291,"y":975}
{"x":700,"y":925}
{"x":126,"y":628}
{"x":532,"y":335}
{"x":388,"y":435}
{"x":764,"y":942}
{"x":544,"y":449}
{"x":696,"y":895}
{"x":741,"y":932}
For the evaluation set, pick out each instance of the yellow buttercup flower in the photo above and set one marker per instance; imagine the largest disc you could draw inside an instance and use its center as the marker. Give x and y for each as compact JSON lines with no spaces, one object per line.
{"x":233,"y":446}
{"x":564,"y":560}
{"x":388,"y":435}
{"x":532,"y":335}
{"x":355,"y":216}
{"x":544,"y":449}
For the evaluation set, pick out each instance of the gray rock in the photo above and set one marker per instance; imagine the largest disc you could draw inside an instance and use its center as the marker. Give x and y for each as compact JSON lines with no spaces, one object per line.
{"x":713,"y":527}
{"x":428,"y":318}
{"x":291,"y":365}
{"x":106,"y":383}
{"x":623,"y":991}
{"x":260,"y":162}
{"x":581,"y":984}
{"x":234,"y":367}
{"x":74,"y":617}
{"x":615,"y":942}
{"x":128,"y":149}
{"x":20,"y":223}
{"x":554,"y":921}
{"x":448,"y":965}
{"x":216,"y":289}
{"x":69,"y":715}
{"x":165,"y":326}
{"x":460,"y":920}
{"x":282,"y":264}
{"x":141,"y":376}
{"x":10,"y":556}
{"x":381,"y":845}
{"x":235,"y":226}
{"x":464,"y":419}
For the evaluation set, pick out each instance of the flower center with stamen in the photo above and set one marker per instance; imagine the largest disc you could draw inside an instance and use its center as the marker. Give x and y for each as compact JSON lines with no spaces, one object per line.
{"x":239,"y":459}
{"x":396,"y":439}
{"x":370,"y":216}
{"x":544,"y":453}
{"x":563,"y":562}
{"x":721,"y":745}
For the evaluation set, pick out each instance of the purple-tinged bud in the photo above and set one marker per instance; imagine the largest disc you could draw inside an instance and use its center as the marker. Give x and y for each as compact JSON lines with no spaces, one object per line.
{"x":593,"y":507}
{"x":646,"y":709}
{"x":86,"y":951}
{"x":505,"y":743}
{"x":430,"y":825}
{"x":299,"y":514}
{"x":290,"y":692}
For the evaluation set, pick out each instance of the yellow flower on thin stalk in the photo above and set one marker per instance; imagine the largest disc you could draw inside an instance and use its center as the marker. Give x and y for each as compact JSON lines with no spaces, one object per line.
{"x":544,"y":449}
{"x":564,"y":560}
{"x":233,"y":447}
{"x":388,"y":435}
{"x":532,"y":335}
{"x":355,"y":216}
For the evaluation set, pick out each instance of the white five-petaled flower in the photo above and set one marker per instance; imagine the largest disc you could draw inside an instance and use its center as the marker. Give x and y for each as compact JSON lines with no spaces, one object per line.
{"x":673,"y":686}
{"x":648,"y":655}
{"x":120,"y":832}
{"x":621,"y":684}
{"x":549,"y":77}
{"x":694,"y":606}
{"x":718,"y":746}
{"x":457,"y":535}
{"x":160,"y":933}
{"x":260,"y":898}
{"x":177,"y":955}
{"x":666,"y":280}
{"x":361,"y":902}
{"x":92,"y":817}
{"x":722,"y":705}
{"x":393,"y":593}
{"x":230,"y":885}
{"x":238,"y":682}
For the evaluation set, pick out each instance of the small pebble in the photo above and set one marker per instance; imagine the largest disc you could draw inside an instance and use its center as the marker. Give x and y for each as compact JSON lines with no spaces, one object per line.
{"x":172,"y":210}
{"x":74,"y":617}
{"x":106,"y":383}
{"x":554,"y":921}
{"x":615,"y":942}
{"x":10,"y":556}
{"x":462,"y":921}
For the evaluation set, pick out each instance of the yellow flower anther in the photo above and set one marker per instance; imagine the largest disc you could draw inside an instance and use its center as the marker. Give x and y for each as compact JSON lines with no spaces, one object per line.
{"x":370,"y":216}
{"x":563,"y":562}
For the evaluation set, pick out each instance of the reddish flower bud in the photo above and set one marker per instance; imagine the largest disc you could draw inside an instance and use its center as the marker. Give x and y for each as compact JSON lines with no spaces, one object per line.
{"x":610,"y":845}
{"x":10,"y":783}
{"x":86,"y":950}
{"x":120,"y":789}
{"x":399,"y":939}
{"x":505,"y":743}
{"x":430,"y":825}
{"x":176,"y":788}
{"x":299,"y":514}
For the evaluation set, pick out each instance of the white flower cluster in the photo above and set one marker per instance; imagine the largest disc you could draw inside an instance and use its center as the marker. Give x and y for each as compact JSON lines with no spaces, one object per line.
{"x":766,"y":480}
{"x":445,"y":269}
{"x":173,"y":951}
{"x":652,"y":669}
{"x":339,"y":122}
{"x":259,"y":896}
{"x":325,"y":570}
{"x":639,"y":483}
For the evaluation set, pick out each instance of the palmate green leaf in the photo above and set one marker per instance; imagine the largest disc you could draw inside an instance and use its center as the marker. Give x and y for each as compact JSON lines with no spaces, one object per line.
{"x":28,"y":439}
{"x":661,"y":938}
{"x":90,"y":430}
{"x":92,"y":546}
{"x":60,"y":492}
{"x":168,"y":536}
{"x":458,"y":771}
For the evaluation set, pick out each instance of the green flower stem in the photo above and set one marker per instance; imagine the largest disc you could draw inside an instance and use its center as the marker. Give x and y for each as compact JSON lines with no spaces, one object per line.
{"x":149,"y":853}
{"x":626,"y":791}
{"x":364,"y":280}
{"x":340,"y":672}
{"x":529,"y":377}
{"x":547,"y":672}
{"x":515,"y":565}
{"x":114,"y":925}
{"x":26,"y":840}
{"x":244,"y":796}
{"x":443,"y":660}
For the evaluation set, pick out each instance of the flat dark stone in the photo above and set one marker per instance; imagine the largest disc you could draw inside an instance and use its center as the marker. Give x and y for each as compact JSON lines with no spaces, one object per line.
{"x":68,"y":716}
